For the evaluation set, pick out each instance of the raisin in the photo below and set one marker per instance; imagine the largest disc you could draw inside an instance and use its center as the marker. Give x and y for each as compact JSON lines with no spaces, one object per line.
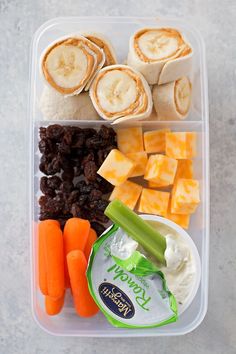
{"x":42,"y":132}
{"x":68,"y":174}
{"x":45,"y":146}
{"x":76,"y":210}
{"x":82,"y":199}
{"x":45,"y":188}
{"x":95,"y":194}
{"x":84,"y":188}
{"x":66,"y":187}
{"x":54,"y":132}
{"x":99,"y":204}
{"x":90,"y":171}
{"x":64,"y":148}
{"x":53,"y":167}
{"x":74,"y":196}
{"x":54,"y":182}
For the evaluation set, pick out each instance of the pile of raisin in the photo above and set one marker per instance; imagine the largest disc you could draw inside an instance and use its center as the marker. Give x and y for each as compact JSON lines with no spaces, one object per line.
{"x":70,"y":158}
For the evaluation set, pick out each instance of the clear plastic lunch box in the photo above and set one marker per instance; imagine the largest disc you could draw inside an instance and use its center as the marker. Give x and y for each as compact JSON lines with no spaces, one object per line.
{"x":118,"y":30}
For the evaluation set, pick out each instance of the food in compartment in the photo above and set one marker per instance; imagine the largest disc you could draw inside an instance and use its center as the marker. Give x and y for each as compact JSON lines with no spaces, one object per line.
{"x":70,"y":158}
{"x":103,"y":42}
{"x":181,"y":145}
{"x":116,"y":168}
{"x":155,"y":140}
{"x":130,"y":139}
{"x":172,"y":100}
{"x":55,"y":106}
{"x":120,"y":93}
{"x":154,"y":202}
{"x":70,"y":63}
{"x":161,"y":170}
{"x":140,"y":158}
{"x":83,"y":301}
{"x":186,"y":196}
{"x":184,"y":170}
{"x":161,"y":54}
{"x":128,"y":193}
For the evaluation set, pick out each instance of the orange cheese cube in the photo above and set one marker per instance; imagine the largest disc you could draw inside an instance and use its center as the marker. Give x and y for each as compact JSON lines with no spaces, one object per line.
{"x":181,"y":145}
{"x":161,"y":170}
{"x":184,"y":170}
{"x":155,"y":141}
{"x":130,"y":139}
{"x":128,"y":193}
{"x":154,"y":202}
{"x":140,"y":159}
{"x":116,"y":168}
{"x":180,"y":219}
{"x":155,"y":185}
{"x":186,"y":197}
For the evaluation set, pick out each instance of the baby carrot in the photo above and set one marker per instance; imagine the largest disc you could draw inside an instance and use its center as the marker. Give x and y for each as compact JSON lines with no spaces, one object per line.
{"x":90,"y":241}
{"x":42,"y":272}
{"x":54,"y":256}
{"x":54,"y":306}
{"x":83,"y":301}
{"x":76,"y":232}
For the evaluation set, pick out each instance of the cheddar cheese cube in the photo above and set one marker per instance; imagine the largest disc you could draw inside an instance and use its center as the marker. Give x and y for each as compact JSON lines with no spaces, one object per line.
{"x":140,"y":159}
{"x":181,"y":145}
{"x":186,"y":197}
{"x":180,"y":219}
{"x":130,"y":139}
{"x":128,"y":193}
{"x":161,"y":170}
{"x":184,"y":170}
{"x":155,"y":185}
{"x":155,"y":141}
{"x":154,"y":202}
{"x":116,"y":168}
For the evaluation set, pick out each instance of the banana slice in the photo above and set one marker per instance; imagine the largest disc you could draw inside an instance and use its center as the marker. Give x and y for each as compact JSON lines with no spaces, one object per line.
{"x":172,"y":101}
{"x":160,"y":54}
{"x":120,"y":93}
{"x":102,"y":42}
{"x":55,"y":106}
{"x":70,"y":63}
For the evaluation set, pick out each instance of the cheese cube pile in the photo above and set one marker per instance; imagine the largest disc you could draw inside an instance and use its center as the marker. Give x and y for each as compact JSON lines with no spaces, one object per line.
{"x":155,"y":141}
{"x":181,"y":145}
{"x":173,"y":169}
{"x":154,"y":202}
{"x":161,"y":170}
{"x":128,"y":193}
{"x":186,"y":197}
{"x":116,"y":168}
{"x":140,"y":159}
{"x":130,"y":139}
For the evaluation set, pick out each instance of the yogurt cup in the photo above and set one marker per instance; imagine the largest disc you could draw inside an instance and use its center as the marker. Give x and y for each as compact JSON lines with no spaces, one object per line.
{"x":187,"y":240}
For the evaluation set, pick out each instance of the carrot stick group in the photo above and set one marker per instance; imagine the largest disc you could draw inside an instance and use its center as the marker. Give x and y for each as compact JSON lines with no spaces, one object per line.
{"x":83,"y":301}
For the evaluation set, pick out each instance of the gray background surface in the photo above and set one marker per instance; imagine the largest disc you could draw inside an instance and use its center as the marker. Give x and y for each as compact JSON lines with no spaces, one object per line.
{"x":18,"y":21}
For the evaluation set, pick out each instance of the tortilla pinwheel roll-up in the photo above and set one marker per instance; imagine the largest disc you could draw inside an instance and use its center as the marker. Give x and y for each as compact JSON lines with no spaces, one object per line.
{"x":102,"y":42}
{"x":70,"y":64}
{"x":172,"y":101}
{"x":120,"y":93}
{"x":161,"y":54}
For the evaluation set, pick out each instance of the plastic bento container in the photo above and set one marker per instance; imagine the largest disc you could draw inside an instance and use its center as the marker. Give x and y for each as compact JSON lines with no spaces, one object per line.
{"x":119,"y":29}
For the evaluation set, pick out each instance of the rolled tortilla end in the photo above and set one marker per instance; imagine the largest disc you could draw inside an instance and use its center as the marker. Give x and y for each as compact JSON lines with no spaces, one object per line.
{"x":172,"y":101}
{"x":161,"y":54}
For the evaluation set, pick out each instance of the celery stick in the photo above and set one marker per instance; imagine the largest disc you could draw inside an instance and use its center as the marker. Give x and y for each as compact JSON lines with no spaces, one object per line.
{"x":138,"y":229}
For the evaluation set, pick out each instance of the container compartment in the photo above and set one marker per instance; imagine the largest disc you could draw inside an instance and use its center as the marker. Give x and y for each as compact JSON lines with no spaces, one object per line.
{"x":68,"y":323}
